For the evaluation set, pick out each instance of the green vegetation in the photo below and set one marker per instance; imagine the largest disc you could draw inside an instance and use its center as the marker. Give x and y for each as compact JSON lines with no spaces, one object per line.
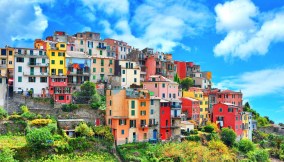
{"x":69,"y":107}
{"x":12,"y":142}
{"x":3,"y":113}
{"x":84,"y":130}
{"x":7,"y":155}
{"x":39,"y":138}
{"x":186,"y":83}
{"x":228,"y":136}
{"x":246,"y":146}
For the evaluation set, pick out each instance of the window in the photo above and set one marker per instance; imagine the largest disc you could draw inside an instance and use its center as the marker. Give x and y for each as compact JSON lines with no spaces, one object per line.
{"x":132,"y":104}
{"x":143,"y":112}
{"x":163,"y":85}
{"x":102,"y":62}
{"x":110,"y":61}
{"x":43,"y":79}
{"x":163,"y":95}
{"x":0,"y":80}
{"x":110,"y":102}
{"x":156,"y":85}
{"x":19,"y":79}
{"x":110,"y":70}
{"x":20,"y":69}
{"x":123,"y":71}
{"x":142,"y":103}
{"x":20,"y":59}
{"x":61,"y":62}
{"x":60,"y":71}
{"x":201,"y":109}
{"x":40,"y":52}
{"x":132,"y":112}
{"x":94,"y":61}
{"x":94,"y":77}
{"x":170,"y":95}
{"x":201,"y":102}
{"x":145,"y":134}
{"x":52,"y":53}
{"x":62,"y":45}
{"x":10,"y":62}
{"x":135,"y":72}
{"x":102,"y":70}
{"x":174,"y":95}
{"x":152,"y":111}
{"x":237,"y":118}
{"x":135,"y":80}
{"x":32,"y":79}
{"x":132,"y":123}
{"x":123,"y":79}
{"x":10,"y":53}
{"x":122,"y":121}
{"x":94,"y":70}
{"x":101,"y":52}
{"x":220,"y":109}
{"x":110,"y":112}
{"x":81,"y":49}
{"x":81,"y":42}
{"x":43,"y":61}
{"x":52,"y":61}
{"x":230,"y":109}
{"x":236,"y":126}
{"x":152,"y":102}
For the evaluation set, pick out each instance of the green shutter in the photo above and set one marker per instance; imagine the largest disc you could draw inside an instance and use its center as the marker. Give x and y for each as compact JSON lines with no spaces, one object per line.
{"x":133,"y":112}
{"x":19,"y":68}
{"x":132,"y":104}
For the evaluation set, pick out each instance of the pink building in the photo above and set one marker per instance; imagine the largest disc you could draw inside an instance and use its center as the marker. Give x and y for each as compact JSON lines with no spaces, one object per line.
{"x":162,"y":87}
{"x":150,"y":66}
{"x":228,"y":96}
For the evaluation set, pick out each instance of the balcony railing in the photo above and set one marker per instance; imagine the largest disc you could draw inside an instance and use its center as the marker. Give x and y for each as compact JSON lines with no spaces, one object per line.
{"x":176,"y":106}
{"x":35,"y":74}
{"x":176,"y":116}
{"x":37,"y":64}
{"x":101,"y":47}
{"x":3,"y":65}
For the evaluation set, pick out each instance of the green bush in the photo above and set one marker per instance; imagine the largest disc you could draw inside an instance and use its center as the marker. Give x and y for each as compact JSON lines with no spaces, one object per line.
{"x":69,"y":107}
{"x":195,"y":131}
{"x":28,"y":115}
{"x":84,"y":130}
{"x":245,"y":146}
{"x":193,"y":138}
{"x":7,"y":155}
{"x":24,"y":109}
{"x":79,"y":143}
{"x":258,"y":155}
{"x":39,"y":139}
{"x":95,"y":105}
{"x":15,"y":117}
{"x":3,"y":113}
{"x":212,"y":136}
{"x":208,"y":128}
{"x":228,"y":136}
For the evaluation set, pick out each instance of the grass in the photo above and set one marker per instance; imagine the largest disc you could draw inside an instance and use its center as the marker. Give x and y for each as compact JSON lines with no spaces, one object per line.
{"x":12,"y":141}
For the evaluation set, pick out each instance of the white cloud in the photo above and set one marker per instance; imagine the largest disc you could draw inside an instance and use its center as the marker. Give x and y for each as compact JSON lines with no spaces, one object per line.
{"x":161,"y":24}
{"x":21,"y":21}
{"x":247,"y":33}
{"x":256,"y":83}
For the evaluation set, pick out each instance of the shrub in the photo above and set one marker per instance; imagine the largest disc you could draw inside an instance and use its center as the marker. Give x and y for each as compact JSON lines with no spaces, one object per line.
{"x":39,"y":138}
{"x":15,"y":117}
{"x":79,"y":143}
{"x":228,"y":136}
{"x":193,"y":138}
{"x":245,"y":146}
{"x":209,"y":128}
{"x":69,"y":107}
{"x":24,"y":109}
{"x":29,"y":115}
{"x":51,"y":127}
{"x":218,"y":147}
{"x":258,"y":155}
{"x":7,"y":155}
{"x":38,"y":116}
{"x":212,"y":136}
{"x":195,"y":131}
{"x":41,"y":122}
{"x":3,"y":113}
{"x":84,"y":130}
{"x":103,"y":131}
{"x":95,"y":105}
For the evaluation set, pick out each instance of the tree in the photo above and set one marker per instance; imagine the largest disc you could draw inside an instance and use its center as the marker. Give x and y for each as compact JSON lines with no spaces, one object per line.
{"x":84,"y":130}
{"x":39,"y":138}
{"x":258,"y":155}
{"x":87,"y":94}
{"x":209,"y":128}
{"x":186,"y":83}
{"x":246,"y":107}
{"x":262,"y":121}
{"x":228,"y":136}
{"x":176,"y":78}
{"x":270,"y":121}
{"x":281,"y":124}
{"x":246,"y":146}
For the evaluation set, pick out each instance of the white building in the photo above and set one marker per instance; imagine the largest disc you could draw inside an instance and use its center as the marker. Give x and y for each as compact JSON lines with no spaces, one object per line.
{"x":130,"y":73}
{"x":3,"y":90}
{"x":31,"y":71}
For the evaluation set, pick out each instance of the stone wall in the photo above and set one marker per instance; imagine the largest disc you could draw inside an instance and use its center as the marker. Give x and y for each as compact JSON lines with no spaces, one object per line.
{"x":272,"y":129}
{"x":13,"y":127}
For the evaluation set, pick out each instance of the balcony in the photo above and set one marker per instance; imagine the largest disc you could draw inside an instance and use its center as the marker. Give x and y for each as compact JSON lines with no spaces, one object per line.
{"x":43,"y":74}
{"x":80,"y":73}
{"x":37,"y":64}
{"x":175,"y":116}
{"x":3,"y":65}
{"x":101,"y":47}
{"x":176,"y":106}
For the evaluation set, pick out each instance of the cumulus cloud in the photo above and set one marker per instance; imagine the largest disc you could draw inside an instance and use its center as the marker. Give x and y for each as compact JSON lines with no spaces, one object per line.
{"x":21,"y":21}
{"x":246,"y":33}
{"x":161,"y":24}
{"x":256,"y":83}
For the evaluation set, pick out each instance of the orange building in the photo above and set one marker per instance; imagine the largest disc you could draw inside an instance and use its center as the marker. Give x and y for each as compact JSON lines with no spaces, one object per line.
{"x":127,"y":113}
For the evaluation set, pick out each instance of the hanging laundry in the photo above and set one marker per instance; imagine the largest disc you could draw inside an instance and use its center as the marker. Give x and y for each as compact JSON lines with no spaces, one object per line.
{"x":82,"y":66}
{"x":76,"y":66}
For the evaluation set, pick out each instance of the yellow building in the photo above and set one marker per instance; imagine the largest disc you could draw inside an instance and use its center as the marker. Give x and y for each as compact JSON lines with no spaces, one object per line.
{"x":197,"y":94}
{"x":56,"y":53}
{"x":246,"y":125}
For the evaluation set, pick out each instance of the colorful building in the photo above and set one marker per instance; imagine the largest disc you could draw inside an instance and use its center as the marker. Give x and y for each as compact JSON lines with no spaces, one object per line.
{"x":191,"y":108}
{"x":31,"y":71}
{"x":154,"y":118}
{"x":78,"y":67}
{"x":197,"y":93}
{"x":228,"y":115}
{"x":182,"y":68}
{"x":229,"y":96}
{"x":247,"y":125}
{"x":127,"y":113}
{"x":122,"y":49}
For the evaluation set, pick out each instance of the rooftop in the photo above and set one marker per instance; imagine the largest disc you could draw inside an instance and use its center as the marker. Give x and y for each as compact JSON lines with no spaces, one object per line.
{"x":191,"y":99}
{"x":76,"y":54}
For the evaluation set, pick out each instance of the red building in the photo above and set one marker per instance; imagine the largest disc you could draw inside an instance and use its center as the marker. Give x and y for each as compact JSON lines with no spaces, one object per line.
{"x":182,"y":68}
{"x":165,"y":120}
{"x":228,"y":96}
{"x":59,"y":90}
{"x":191,"y":108}
{"x":150,"y":66}
{"x":228,"y":115}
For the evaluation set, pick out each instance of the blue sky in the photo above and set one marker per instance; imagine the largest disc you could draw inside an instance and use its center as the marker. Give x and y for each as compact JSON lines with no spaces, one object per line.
{"x":240,"y":41}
